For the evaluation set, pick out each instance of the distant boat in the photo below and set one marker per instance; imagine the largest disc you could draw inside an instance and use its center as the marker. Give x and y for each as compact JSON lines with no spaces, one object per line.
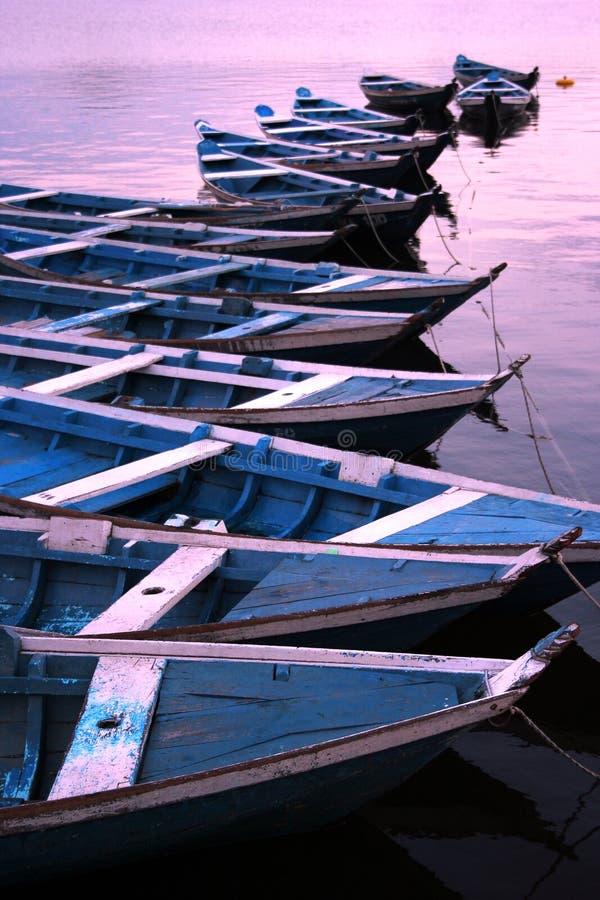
{"x":330,"y":135}
{"x":179,"y":582}
{"x":468,"y":71}
{"x":48,"y":256}
{"x":323,"y":110}
{"x":59,"y":452}
{"x":406,"y":170}
{"x":493,"y":99}
{"x":388,"y":92}
{"x":228,"y":324}
{"x":137,"y":749}
{"x":382,"y":215}
{"x":384,"y":409}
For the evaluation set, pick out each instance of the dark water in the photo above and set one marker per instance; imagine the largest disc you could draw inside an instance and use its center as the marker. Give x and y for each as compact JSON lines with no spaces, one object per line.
{"x":103,"y":99}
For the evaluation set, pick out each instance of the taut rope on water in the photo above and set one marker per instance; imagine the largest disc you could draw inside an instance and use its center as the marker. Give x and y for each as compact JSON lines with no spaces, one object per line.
{"x":515,"y":710}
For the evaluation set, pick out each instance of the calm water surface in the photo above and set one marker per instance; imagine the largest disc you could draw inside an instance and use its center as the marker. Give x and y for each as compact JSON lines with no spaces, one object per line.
{"x":103,"y":98}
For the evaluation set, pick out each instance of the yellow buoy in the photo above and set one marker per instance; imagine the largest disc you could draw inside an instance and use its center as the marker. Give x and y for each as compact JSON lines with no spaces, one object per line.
{"x":564,"y":81}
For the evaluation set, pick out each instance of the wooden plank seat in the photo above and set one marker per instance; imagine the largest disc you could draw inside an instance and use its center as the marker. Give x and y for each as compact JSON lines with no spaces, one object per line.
{"x":260,"y":325}
{"x":71,"y":381}
{"x":386,"y":526}
{"x":188,"y":275}
{"x":127,"y":213}
{"x":98,"y":315}
{"x":133,"y":473}
{"x":28,"y":195}
{"x":158,"y":592}
{"x":109,"y":738}
{"x":322,"y":109}
{"x":246,"y":173}
{"x":348,"y":282}
{"x":293,"y":392}
{"x":334,"y":191}
{"x":47,"y":250}
{"x":101,"y":230}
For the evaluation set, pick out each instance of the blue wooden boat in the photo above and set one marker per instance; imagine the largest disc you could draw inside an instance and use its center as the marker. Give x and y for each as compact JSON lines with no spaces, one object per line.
{"x":74,"y":453}
{"x":468,"y":71}
{"x":228,"y":324}
{"x":405,"y":170}
{"x":302,"y":246}
{"x":383,"y":215}
{"x":388,"y":92}
{"x":330,"y":136}
{"x":47,"y":256}
{"x":206,"y":210}
{"x":136,"y":749}
{"x":324,"y":110}
{"x":384,"y":410}
{"x":72,"y":573}
{"x":493,"y":99}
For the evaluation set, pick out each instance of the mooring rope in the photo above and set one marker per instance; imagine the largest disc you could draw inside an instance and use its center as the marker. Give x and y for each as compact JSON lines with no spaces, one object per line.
{"x":515,"y":710}
{"x":529,"y":402}
{"x":378,"y":239}
{"x":433,"y":212}
{"x":429,"y":330}
{"x":581,"y":587}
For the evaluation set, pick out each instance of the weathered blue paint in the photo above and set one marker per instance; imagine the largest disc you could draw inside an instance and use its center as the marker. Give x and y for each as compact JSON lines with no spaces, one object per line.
{"x":235,"y":752}
{"x":71,"y":588}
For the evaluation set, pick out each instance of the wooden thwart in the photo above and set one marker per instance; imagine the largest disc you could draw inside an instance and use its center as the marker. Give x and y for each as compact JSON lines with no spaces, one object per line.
{"x":28,"y":195}
{"x":257,"y":326}
{"x":126,"y":213}
{"x":375,"y":531}
{"x":130,"y":473}
{"x":158,"y":592}
{"x":248,"y":173}
{"x":98,"y":315}
{"x":93,"y":374}
{"x":108,"y":741}
{"x":188,"y":274}
{"x":47,"y":250}
{"x":293,"y":392}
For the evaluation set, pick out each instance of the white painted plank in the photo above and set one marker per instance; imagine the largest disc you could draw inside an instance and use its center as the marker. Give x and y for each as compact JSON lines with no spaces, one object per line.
{"x":248,"y":173}
{"x":126,"y":213}
{"x":375,"y":531}
{"x":92,"y":374}
{"x":158,"y":592}
{"x":100,"y":230}
{"x":130,"y":473}
{"x":336,"y":284}
{"x":48,"y":250}
{"x":28,"y":195}
{"x":101,"y":756}
{"x":187,"y":274}
{"x":295,"y":391}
